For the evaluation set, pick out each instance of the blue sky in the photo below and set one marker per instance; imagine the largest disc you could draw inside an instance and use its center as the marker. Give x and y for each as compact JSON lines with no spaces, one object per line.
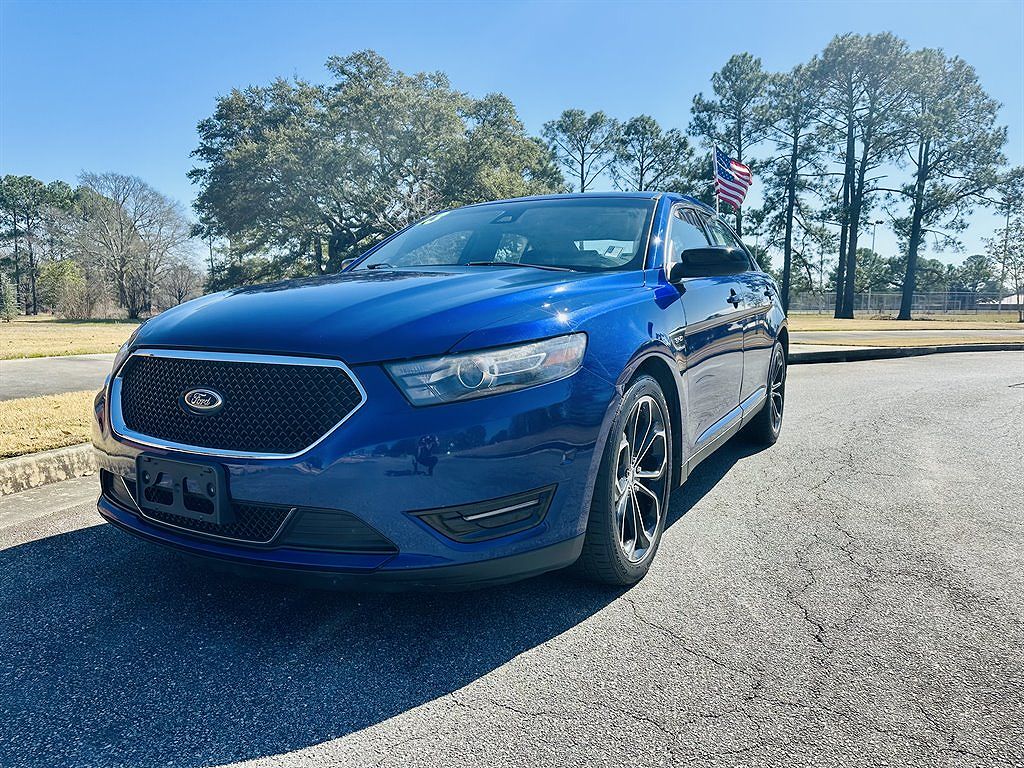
{"x":120,"y":86}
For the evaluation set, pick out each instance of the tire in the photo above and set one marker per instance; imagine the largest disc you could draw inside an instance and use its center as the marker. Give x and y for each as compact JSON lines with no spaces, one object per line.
{"x":764,"y":429}
{"x":627,"y":514}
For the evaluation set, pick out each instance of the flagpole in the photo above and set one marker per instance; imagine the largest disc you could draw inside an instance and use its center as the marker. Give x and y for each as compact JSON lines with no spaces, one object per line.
{"x":714,"y":176}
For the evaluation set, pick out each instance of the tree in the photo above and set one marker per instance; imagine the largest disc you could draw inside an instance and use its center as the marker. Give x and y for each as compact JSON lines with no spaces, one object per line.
{"x":1007,"y":246}
{"x":308,"y":175}
{"x":874,"y":273}
{"x":132,"y":231}
{"x":975,"y":275}
{"x":865,"y":89}
{"x":182,"y":281}
{"x":583,"y":144}
{"x":27,"y":203}
{"x":648,"y":158}
{"x":8,"y":299}
{"x":954,"y":148}
{"x":498,"y":159}
{"x":733,"y":119}
{"x":791,"y":119}
{"x":60,"y":286}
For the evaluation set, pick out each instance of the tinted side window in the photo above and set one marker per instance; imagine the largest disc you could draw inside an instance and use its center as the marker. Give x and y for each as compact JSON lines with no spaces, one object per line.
{"x":721,"y":235}
{"x":685,"y":232}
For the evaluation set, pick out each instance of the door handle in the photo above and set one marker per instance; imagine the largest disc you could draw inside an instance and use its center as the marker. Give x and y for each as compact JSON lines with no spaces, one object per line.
{"x":734,"y":298}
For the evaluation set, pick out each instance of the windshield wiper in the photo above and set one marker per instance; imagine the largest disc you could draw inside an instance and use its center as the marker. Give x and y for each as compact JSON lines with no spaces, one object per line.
{"x":517,"y":264}
{"x":380,"y":265}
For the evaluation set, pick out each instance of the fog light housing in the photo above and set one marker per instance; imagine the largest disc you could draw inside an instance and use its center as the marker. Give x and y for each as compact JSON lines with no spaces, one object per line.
{"x":492,"y":519}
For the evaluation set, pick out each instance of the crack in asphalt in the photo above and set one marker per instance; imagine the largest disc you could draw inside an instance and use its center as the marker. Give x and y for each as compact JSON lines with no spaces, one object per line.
{"x":850,"y":597}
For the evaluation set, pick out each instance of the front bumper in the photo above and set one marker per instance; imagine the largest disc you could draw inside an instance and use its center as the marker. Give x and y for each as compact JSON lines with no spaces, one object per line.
{"x":490,"y":448}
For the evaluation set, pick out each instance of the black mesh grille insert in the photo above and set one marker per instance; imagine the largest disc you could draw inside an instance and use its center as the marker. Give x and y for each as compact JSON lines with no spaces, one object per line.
{"x":329,"y":530}
{"x":253,"y":523}
{"x":268,"y":408}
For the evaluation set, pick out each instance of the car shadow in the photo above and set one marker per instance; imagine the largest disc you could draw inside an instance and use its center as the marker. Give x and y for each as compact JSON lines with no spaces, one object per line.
{"x":707,"y":474}
{"x":120,"y":653}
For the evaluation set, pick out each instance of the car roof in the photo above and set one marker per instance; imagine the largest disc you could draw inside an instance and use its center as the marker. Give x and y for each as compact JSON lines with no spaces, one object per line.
{"x":673,"y":196}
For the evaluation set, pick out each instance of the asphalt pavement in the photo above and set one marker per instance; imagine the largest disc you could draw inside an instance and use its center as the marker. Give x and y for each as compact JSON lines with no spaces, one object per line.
{"x":34,"y":376}
{"x":853,"y":596}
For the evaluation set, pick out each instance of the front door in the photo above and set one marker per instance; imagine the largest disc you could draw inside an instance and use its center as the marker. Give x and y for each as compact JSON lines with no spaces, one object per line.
{"x":712,"y":338}
{"x":756,"y":289}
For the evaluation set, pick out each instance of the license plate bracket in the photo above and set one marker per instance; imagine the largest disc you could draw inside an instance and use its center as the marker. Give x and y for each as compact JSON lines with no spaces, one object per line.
{"x":184,"y":488}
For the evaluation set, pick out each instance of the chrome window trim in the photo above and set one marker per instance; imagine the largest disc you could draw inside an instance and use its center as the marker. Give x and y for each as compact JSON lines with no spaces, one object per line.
{"x":120,"y":429}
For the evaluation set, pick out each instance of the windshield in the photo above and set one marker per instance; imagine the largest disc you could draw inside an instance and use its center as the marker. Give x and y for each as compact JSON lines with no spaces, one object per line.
{"x":585,"y":234}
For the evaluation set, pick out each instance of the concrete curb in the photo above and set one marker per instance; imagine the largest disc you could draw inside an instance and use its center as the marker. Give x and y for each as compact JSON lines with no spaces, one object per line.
{"x":852,"y":354}
{"x":35,"y":469}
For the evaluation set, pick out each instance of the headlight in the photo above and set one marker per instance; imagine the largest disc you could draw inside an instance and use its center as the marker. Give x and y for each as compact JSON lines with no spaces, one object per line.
{"x":489,"y":371}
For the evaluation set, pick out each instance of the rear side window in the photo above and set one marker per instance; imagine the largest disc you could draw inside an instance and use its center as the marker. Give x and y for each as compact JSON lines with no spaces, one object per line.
{"x":720,"y":234}
{"x":685,"y":232}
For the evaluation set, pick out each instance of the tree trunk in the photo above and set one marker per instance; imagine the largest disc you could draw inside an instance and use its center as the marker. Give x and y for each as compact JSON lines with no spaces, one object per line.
{"x":844,"y":214}
{"x":857,"y":205}
{"x":334,"y":257}
{"x":851,"y":261}
{"x":910,"y":277}
{"x":32,"y":274}
{"x":787,"y":260}
{"x":17,"y":264}
{"x":318,"y":252}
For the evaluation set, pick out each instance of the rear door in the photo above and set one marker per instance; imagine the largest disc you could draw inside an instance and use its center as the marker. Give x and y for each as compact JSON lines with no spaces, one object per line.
{"x":713,"y":337}
{"x":756,"y":289}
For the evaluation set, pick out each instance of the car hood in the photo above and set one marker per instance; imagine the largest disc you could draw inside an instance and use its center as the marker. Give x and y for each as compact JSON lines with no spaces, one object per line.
{"x":369,"y":316}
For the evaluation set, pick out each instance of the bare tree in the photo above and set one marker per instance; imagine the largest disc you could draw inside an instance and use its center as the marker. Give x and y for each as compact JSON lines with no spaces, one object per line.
{"x":133,"y":231}
{"x":181,"y":281}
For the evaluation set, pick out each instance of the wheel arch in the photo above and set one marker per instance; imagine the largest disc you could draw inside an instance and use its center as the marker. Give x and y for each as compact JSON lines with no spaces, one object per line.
{"x":783,"y":337}
{"x":658,"y":368}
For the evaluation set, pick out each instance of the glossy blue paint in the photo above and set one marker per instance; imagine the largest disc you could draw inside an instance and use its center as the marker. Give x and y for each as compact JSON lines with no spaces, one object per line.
{"x":714,"y":352}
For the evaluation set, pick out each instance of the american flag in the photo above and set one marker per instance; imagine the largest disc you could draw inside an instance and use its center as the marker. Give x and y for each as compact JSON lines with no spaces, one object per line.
{"x":732,"y":178}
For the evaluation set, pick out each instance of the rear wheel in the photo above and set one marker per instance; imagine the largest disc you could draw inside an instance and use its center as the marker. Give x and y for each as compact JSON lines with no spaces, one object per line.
{"x":764,"y":429}
{"x":627,"y":515}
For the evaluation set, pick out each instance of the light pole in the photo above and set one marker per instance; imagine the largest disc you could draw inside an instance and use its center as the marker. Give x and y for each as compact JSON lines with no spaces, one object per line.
{"x":874,"y":231}
{"x":1006,"y":247}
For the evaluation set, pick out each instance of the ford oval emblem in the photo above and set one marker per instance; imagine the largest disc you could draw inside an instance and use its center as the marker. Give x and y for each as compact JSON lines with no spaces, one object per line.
{"x":202,"y":402}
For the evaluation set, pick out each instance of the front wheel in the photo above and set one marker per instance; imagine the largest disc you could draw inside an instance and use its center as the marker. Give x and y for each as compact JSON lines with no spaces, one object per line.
{"x":627,"y":515}
{"x":765,"y":427}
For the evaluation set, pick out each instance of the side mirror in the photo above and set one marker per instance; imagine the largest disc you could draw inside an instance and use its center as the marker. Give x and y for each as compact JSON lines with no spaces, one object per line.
{"x":347,"y":263}
{"x":709,"y":262}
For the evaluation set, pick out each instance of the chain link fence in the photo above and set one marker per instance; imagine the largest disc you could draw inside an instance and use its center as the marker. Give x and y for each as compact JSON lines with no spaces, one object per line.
{"x":888,"y":303}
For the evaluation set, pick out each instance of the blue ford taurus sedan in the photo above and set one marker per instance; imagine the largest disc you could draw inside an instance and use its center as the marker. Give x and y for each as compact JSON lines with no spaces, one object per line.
{"x":493,"y":392}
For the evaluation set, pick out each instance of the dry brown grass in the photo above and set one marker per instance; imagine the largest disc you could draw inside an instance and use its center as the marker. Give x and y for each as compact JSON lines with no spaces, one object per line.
{"x":46,"y":337}
{"x":909,"y":340}
{"x":988,"y":321}
{"x":30,"y":424}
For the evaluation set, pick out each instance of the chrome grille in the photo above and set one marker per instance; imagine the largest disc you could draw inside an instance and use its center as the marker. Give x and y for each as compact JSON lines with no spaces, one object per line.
{"x":272,"y":406}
